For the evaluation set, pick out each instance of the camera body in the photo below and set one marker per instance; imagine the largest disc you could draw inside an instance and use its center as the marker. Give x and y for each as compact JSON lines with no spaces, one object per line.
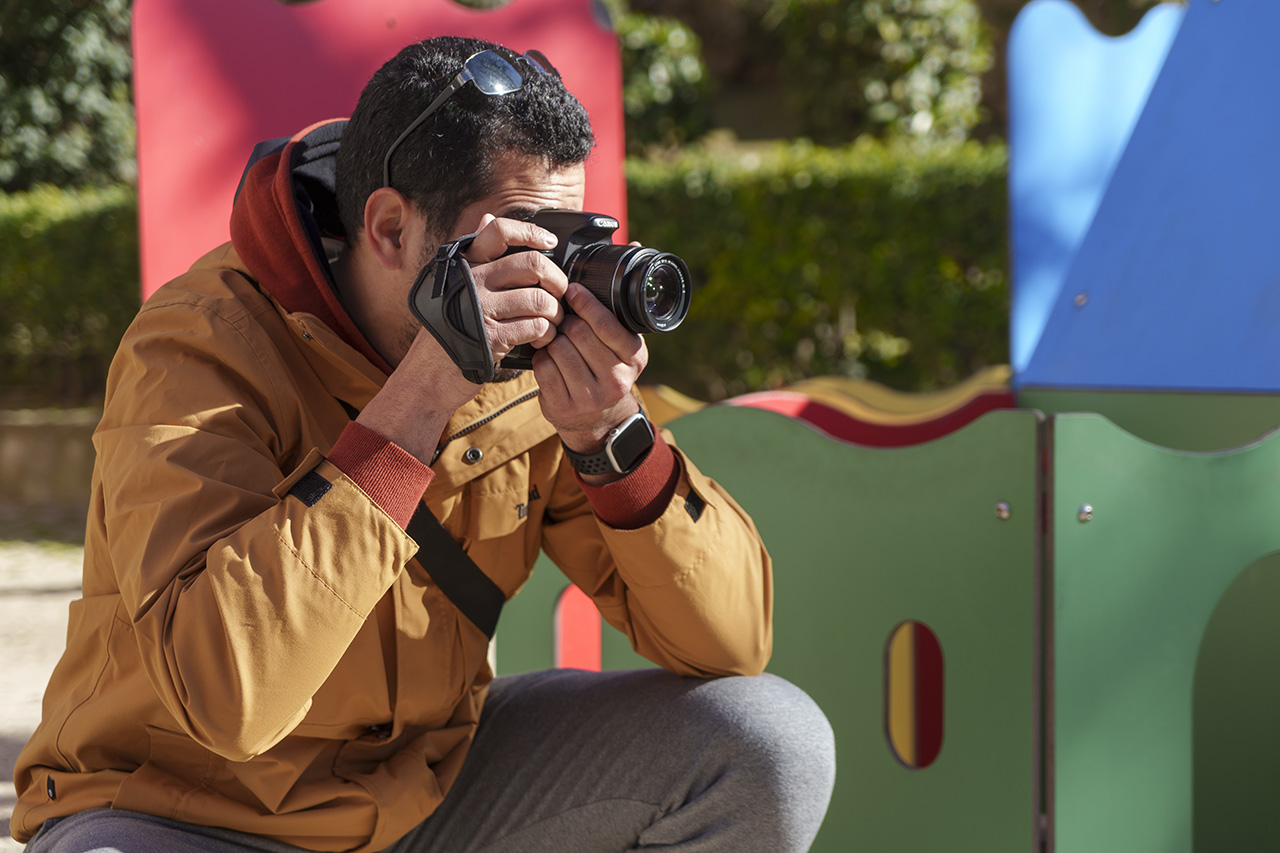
{"x":647,"y":290}
{"x":575,"y":230}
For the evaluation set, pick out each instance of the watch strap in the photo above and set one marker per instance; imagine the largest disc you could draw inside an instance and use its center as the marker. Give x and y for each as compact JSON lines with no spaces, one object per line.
{"x":602,"y":462}
{"x":589,"y":463}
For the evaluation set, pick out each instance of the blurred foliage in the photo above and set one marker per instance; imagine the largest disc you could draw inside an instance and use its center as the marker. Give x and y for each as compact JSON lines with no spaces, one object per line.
{"x":876,"y":260}
{"x":68,"y":287}
{"x":665,"y":85}
{"x":66,"y":116}
{"x":907,"y":68}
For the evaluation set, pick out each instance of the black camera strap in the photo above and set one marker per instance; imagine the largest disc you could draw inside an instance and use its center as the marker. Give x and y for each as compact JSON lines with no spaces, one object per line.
{"x":459,"y":578}
{"x":445,"y":301}
{"x":473,"y":592}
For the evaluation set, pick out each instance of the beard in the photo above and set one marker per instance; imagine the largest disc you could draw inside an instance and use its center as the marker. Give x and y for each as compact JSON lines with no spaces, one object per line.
{"x":505,"y":374}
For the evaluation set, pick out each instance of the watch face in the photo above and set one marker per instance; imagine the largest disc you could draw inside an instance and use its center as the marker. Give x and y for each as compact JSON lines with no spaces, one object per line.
{"x":628,"y":446}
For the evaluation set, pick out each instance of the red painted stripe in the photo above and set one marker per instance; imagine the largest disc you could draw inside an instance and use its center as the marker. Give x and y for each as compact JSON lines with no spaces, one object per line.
{"x":846,"y":427}
{"x":929,"y":698}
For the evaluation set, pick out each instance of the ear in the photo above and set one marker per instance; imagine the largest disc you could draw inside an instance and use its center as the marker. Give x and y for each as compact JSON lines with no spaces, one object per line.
{"x":387,"y":216}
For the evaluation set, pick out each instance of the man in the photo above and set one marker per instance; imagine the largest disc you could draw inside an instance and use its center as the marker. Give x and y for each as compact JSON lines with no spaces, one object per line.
{"x":263,"y":659}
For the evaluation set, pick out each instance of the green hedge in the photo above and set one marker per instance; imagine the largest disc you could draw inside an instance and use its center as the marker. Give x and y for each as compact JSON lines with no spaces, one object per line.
{"x":879,"y":261}
{"x":68,"y":288}
{"x":872,"y":260}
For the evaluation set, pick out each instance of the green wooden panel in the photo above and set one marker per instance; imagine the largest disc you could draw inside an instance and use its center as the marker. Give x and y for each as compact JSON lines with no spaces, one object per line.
{"x":1182,"y":421}
{"x":525,"y":639}
{"x":1135,"y":588}
{"x":1236,"y":750}
{"x":865,"y":538}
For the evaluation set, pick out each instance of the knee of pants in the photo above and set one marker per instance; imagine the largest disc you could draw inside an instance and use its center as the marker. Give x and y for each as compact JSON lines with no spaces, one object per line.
{"x":776,"y":725}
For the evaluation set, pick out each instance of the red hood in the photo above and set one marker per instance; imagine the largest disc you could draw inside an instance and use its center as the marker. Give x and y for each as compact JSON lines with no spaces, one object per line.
{"x":279,"y":239}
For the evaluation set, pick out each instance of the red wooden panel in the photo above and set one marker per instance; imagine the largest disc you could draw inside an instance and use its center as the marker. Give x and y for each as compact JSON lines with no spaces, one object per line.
{"x":577,"y":631}
{"x":213,"y":79}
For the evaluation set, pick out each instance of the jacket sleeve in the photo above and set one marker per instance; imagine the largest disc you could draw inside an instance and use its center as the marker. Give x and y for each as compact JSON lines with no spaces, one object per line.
{"x":243,"y":597}
{"x":692,"y":590}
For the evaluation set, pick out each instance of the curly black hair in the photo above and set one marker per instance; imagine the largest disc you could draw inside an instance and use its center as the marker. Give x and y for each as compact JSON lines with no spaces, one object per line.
{"x":448,"y":162}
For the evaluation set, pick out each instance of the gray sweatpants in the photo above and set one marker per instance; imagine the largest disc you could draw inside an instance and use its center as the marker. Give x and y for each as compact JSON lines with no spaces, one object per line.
{"x":567,"y":761}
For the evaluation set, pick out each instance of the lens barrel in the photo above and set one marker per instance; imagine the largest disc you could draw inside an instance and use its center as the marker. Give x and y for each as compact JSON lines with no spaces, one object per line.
{"x":647,"y":290}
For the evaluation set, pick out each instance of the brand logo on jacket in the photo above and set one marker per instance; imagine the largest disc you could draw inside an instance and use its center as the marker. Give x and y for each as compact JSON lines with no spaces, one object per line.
{"x":522,"y":510}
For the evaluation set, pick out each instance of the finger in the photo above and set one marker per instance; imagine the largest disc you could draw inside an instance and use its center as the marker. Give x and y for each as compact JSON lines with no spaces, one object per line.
{"x":581,"y":386}
{"x":497,"y":236}
{"x":505,"y":336}
{"x":585,"y":359}
{"x":514,"y":303}
{"x":551,"y":382}
{"x":535,"y":312}
{"x":621,"y":342}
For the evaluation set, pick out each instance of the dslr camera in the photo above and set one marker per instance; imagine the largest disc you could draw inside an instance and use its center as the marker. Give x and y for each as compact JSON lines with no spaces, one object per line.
{"x":647,"y":290}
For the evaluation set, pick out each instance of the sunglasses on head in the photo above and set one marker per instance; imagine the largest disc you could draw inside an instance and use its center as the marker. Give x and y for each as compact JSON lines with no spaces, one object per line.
{"x":492,"y":72}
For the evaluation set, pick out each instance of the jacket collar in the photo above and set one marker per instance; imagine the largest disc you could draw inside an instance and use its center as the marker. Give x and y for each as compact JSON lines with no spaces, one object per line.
{"x":284,"y":209}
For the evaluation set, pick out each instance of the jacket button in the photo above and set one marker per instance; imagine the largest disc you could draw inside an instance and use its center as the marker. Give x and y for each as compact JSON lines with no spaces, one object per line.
{"x":381,"y":731}
{"x":473,"y":455}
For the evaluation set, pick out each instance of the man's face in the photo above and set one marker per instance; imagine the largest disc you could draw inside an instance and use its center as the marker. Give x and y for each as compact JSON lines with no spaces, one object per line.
{"x":525,"y":186}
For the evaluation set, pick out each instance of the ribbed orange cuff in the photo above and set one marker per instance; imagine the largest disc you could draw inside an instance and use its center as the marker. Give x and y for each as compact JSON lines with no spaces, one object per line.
{"x":392,"y":477}
{"x":642,"y":496}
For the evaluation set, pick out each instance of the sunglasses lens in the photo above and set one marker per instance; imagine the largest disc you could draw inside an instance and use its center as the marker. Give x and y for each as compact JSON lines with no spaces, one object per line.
{"x":492,"y":74}
{"x":539,"y":61}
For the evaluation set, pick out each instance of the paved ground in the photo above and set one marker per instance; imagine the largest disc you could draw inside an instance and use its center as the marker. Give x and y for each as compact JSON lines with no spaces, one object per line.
{"x":37,"y":582}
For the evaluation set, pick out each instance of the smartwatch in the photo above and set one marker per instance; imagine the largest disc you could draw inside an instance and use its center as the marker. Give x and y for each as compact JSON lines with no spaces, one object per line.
{"x":625,"y":447}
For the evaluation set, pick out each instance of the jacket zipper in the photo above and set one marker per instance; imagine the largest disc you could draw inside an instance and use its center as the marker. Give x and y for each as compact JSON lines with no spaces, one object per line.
{"x":475,"y":426}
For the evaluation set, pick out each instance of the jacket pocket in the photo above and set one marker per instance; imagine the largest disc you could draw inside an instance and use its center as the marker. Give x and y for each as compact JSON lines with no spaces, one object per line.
{"x":502,"y":530}
{"x":175,"y":767}
{"x":501,"y":502}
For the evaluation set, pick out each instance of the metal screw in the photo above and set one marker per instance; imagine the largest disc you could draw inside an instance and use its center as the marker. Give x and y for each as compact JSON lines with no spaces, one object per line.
{"x":1082,"y":299}
{"x":1085,"y":513}
{"x":1003,"y":511}
{"x":473,"y":455}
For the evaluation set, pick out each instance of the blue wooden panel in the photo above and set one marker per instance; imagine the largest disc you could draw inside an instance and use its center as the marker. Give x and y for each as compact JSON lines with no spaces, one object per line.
{"x":1074,"y":96}
{"x":1176,"y":286}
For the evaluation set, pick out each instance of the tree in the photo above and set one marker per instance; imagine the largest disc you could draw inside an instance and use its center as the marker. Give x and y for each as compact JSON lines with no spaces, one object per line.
{"x":898,"y":68}
{"x":66,"y":116}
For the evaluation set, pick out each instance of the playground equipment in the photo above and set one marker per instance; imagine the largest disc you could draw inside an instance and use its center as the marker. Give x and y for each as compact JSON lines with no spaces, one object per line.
{"x":1120,"y":552}
{"x":1039,"y":608}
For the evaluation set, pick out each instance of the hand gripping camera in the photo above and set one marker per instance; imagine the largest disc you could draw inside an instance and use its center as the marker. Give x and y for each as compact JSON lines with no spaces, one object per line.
{"x":647,"y":290}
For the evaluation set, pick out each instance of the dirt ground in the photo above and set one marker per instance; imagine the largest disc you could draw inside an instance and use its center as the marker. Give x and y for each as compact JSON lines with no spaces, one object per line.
{"x":37,"y":582}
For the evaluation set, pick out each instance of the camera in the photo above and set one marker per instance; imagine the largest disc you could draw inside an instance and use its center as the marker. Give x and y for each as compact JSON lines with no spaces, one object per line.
{"x":647,"y":290}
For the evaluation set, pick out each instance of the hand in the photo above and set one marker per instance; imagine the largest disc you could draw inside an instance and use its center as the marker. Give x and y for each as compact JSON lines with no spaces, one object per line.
{"x":587,"y":371}
{"x":520,"y":294}
{"x":519,"y":298}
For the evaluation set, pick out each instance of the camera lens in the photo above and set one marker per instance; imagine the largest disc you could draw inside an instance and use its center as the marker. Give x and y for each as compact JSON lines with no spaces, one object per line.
{"x":647,"y":290}
{"x":665,"y":288}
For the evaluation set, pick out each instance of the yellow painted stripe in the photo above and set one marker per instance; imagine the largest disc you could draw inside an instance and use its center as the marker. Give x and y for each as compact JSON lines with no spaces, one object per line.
{"x":902,"y":690}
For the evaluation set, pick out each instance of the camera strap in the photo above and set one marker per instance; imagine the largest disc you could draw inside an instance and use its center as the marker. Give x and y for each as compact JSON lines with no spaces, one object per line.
{"x":445,"y":301}
{"x":464,"y":583}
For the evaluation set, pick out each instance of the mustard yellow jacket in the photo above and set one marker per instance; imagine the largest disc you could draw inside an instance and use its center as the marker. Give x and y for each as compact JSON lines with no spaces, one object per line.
{"x":243,"y":660}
